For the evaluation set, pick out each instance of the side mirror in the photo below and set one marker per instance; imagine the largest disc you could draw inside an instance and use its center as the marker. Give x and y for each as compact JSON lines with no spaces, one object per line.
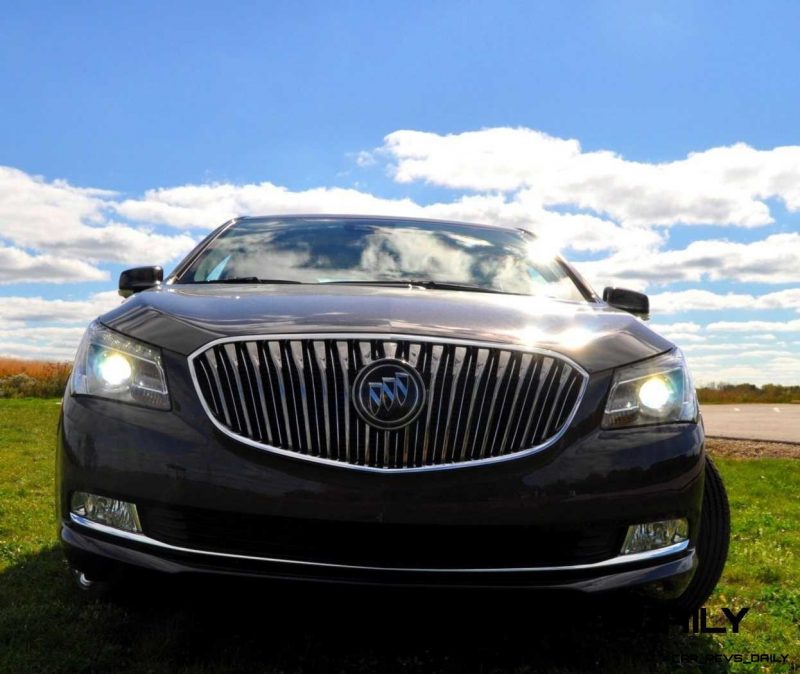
{"x":139,"y":278}
{"x":634,"y":303}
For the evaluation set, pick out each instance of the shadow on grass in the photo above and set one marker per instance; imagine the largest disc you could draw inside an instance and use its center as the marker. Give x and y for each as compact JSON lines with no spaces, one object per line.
{"x":213,"y":625}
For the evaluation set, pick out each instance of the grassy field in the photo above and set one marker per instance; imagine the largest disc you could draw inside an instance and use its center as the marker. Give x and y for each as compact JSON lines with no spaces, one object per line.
{"x":265,"y":627}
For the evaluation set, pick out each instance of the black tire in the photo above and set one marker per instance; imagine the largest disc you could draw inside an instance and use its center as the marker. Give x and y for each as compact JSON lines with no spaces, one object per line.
{"x":712,"y":545}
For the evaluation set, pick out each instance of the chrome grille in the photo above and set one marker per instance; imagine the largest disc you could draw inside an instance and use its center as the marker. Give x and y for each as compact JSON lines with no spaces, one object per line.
{"x":291,"y":394}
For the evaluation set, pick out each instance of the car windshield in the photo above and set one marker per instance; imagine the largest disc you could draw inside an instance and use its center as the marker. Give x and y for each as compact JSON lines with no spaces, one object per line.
{"x":381,"y":251}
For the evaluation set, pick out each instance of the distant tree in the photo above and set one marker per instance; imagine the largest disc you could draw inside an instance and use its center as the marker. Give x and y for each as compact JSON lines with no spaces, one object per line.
{"x":718,"y":392}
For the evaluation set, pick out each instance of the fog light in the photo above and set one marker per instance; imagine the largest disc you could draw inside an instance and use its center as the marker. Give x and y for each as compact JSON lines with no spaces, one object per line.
{"x":654,"y":535}
{"x":104,"y":510}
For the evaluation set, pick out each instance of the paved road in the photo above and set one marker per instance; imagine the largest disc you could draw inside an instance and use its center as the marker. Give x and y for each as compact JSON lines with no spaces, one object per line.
{"x":753,"y":422}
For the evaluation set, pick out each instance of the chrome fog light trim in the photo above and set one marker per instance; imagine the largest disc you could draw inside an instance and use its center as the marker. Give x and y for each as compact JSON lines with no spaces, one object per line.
{"x":655,"y":535}
{"x":143,"y":539}
{"x":104,"y":510}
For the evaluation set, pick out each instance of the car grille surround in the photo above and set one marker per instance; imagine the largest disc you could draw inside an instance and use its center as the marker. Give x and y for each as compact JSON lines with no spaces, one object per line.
{"x":291,"y":394}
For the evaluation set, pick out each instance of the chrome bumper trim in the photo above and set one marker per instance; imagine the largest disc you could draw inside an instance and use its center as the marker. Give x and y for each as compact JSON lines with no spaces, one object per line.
{"x":614,"y":561}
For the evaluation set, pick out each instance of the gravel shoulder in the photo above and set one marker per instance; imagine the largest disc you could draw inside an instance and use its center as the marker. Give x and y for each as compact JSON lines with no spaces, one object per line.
{"x":751,"y":449}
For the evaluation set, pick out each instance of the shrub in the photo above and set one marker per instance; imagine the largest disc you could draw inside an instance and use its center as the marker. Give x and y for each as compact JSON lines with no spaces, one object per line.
{"x":32,"y":379}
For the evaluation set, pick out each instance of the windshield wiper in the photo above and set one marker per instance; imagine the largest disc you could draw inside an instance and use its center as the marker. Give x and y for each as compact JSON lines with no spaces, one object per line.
{"x":430,"y":285}
{"x":250,"y":279}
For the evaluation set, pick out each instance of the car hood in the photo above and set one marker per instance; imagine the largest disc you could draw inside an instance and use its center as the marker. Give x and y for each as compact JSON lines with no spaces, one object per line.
{"x":184,"y":318}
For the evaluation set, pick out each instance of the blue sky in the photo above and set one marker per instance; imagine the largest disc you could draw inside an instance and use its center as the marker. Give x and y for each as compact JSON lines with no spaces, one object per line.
{"x":397,"y":104}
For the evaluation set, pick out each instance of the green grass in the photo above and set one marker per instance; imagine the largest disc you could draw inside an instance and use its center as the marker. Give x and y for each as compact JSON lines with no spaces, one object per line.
{"x":268,"y":627}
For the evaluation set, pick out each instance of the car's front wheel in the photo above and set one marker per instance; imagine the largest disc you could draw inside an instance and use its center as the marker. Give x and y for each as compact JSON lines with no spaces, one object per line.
{"x":711,"y":547}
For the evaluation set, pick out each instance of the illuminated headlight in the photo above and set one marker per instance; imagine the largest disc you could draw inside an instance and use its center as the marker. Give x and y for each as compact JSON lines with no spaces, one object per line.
{"x":655,"y":535}
{"x":110,"y":365}
{"x":656,"y":391}
{"x":105,"y":510}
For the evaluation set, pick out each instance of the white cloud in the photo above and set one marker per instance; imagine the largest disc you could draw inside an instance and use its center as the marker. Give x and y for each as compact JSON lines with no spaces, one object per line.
{"x":732,"y":347}
{"x":36,"y":341}
{"x":775,"y":259}
{"x":755,"y":326}
{"x":40,"y":310}
{"x":782,"y":299}
{"x":738,"y":368}
{"x":206,"y":206}
{"x":58,"y":218}
{"x":666,"y":328}
{"x":683,"y":338}
{"x":556,"y":230}
{"x":35,"y":327}
{"x":525,"y":176}
{"x":18,"y":266}
{"x":492,"y":159}
{"x":598,"y":203}
{"x":719,"y":186}
{"x":365,"y":158}
{"x":48,"y":349}
{"x":696,"y":299}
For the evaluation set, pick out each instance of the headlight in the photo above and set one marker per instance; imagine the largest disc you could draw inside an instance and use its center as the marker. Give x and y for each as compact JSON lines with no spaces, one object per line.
{"x":110,"y":365}
{"x":655,"y":391}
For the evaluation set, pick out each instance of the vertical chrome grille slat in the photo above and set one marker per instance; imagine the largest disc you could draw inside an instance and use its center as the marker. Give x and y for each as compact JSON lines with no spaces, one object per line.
{"x":252,"y":351}
{"x":250,"y":390}
{"x":503,"y":361}
{"x":404,"y":352}
{"x":226,"y":390}
{"x":466,"y":388}
{"x":433,"y":402}
{"x":292,"y":394}
{"x":546,"y":391}
{"x":319,"y":364}
{"x":443,"y":383}
{"x":543,"y":369}
{"x":269,"y":380}
{"x":522,"y":366}
{"x":357,"y":440}
{"x":206,"y":378}
{"x":344,"y":401}
{"x":485,"y":389}
{"x":274,"y":351}
{"x":420,"y":426}
{"x":459,"y":354}
{"x":505,"y":413}
{"x":555,"y":404}
{"x":568,"y":403}
{"x":232,"y":363}
{"x":297,"y":378}
{"x":529,"y":386}
{"x":477,"y":378}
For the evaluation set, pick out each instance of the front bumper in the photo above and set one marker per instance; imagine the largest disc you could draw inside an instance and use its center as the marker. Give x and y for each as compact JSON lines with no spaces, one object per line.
{"x":212,"y":505}
{"x":94,"y":548}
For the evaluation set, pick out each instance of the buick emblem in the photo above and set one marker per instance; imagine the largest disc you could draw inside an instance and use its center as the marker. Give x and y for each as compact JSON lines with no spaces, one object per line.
{"x":388,"y":394}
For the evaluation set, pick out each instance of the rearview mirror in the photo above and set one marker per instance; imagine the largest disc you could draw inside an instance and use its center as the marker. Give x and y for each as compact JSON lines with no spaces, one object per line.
{"x":634,"y":303}
{"x":139,"y":278}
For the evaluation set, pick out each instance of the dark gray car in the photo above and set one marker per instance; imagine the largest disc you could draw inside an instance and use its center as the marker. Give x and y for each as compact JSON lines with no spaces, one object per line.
{"x":390,"y":401}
